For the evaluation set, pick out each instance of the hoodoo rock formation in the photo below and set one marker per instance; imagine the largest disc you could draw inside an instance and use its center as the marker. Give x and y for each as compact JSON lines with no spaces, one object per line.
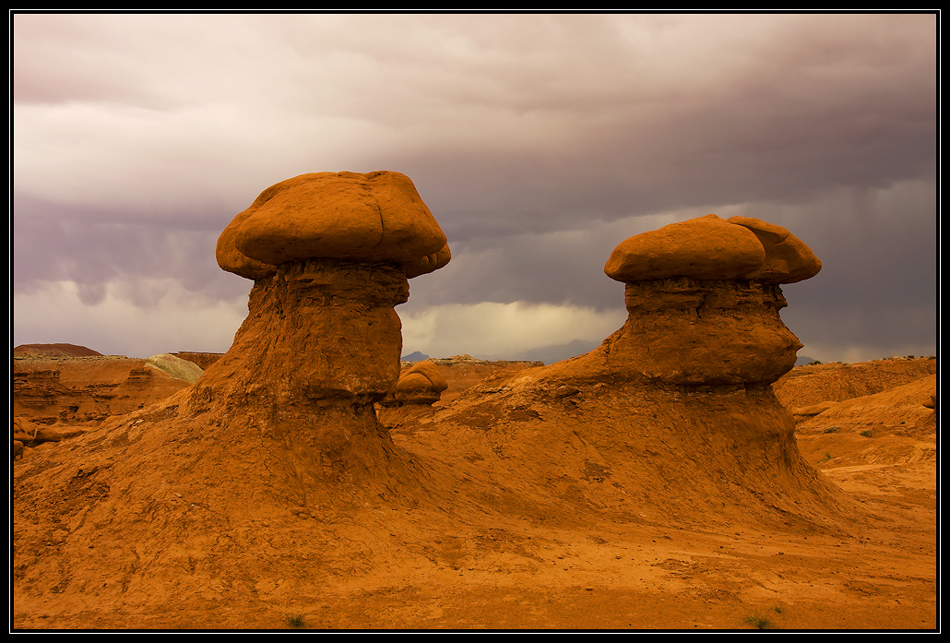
{"x":703,"y":298}
{"x":271,"y":485}
{"x":419,"y":387}
{"x":330,"y":255}
{"x":277,"y":436}
{"x":673,"y":415}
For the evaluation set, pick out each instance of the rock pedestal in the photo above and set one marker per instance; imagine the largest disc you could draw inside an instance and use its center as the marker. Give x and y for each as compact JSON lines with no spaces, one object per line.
{"x":330,"y":256}
{"x":316,"y":331}
{"x":703,"y":299}
{"x":688,"y":332}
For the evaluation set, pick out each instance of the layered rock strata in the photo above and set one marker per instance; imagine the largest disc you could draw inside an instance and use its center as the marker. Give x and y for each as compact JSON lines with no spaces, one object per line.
{"x":673,"y":416}
{"x":330,"y":255}
{"x":703,"y":298}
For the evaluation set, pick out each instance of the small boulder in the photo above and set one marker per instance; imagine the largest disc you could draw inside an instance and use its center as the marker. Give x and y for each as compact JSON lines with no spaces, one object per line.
{"x":421,"y":384}
{"x":180,"y":369}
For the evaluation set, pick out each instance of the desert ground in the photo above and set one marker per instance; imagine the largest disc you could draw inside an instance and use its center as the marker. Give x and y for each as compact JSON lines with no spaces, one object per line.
{"x":124,"y":519}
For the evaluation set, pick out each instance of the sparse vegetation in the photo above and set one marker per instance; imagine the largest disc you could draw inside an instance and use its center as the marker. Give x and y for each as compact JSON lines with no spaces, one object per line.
{"x":867,"y":433}
{"x":295,"y":621}
{"x":832,"y":429}
{"x":827,"y":457}
{"x":759,"y":622}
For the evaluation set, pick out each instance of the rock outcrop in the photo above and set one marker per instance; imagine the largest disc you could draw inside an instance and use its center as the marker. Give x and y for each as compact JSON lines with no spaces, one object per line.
{"x":180,"y":369}
{"x":272,"y":477}
{"x":703,"y":299}
{"x":420,"y":384}
{"x":276,"y":450}
{"x":330,"y":255}
{"x":89,"y":389}
{"x":673,"y":416}
{"x":814,"y":384}
{"x":27,"y":434}
{"x":54,"y":350}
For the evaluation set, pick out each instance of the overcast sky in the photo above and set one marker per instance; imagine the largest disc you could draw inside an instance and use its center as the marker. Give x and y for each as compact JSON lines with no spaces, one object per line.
{"x":539,"y":142}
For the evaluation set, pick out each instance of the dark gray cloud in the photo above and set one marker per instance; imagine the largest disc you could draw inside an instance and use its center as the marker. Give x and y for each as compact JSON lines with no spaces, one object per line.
{"x":538,"y":141}
{"x":879,"y":280}
{"x":58,"y":243}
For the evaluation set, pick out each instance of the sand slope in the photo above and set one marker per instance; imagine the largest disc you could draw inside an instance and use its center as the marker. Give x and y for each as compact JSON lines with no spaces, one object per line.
{"x":518,"y":505}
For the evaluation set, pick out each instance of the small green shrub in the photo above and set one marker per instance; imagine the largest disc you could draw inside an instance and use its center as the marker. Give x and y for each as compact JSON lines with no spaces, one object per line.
{"x":832,"y":429}
{"x":866,"y":434}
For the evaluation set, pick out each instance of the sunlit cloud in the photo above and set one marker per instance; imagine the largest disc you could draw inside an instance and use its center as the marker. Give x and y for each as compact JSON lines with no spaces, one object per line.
{"x":489,"y":329}
{"x":175,"y":319}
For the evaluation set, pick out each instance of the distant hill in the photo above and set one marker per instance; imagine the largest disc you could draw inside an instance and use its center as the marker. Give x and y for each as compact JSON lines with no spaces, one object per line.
{"x":54,"y":350}
{"x":415,"y":356}
{"x":550,"y":354}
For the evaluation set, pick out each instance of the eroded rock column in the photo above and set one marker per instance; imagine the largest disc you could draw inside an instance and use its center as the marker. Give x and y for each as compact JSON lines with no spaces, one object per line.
{"x":330,"y":255}
{"x":703,"y":298}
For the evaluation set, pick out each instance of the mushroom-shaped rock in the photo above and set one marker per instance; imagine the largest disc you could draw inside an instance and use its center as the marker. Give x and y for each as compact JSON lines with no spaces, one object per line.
{"x":787,"y":258}
{"x":703,"y":248}
{"x":710,"y":248}
{"x":420,"y":384}
{"x":703,"y":297}
{"x":330,"y":255}
{"x":376,"y":217}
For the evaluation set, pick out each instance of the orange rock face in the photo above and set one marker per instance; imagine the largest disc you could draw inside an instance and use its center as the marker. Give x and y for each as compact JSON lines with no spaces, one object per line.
{"x":703,"y":298}
{"x":376,"y":217}
{"x":689,"y":332}
{"x":421,"y":384}
{"x":674,"y":414}
{"x":704,"y":248}
{"x":86,"y":389}
{"x":709,"y":248}
{"x":330,"y":255}
{"x":316,"y":330}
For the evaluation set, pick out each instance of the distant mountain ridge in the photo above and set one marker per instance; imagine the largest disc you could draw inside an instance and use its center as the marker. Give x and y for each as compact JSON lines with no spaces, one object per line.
{"x":54,"y":350}
{"x":546,"y":354}
{"x":549,"y":354}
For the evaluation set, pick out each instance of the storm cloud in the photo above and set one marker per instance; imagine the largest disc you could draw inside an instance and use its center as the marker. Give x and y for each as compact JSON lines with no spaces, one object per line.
{"x":539,"y":142}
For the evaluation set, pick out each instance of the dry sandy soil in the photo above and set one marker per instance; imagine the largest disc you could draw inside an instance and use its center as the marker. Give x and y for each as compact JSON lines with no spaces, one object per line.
{"x":473,"y":558}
